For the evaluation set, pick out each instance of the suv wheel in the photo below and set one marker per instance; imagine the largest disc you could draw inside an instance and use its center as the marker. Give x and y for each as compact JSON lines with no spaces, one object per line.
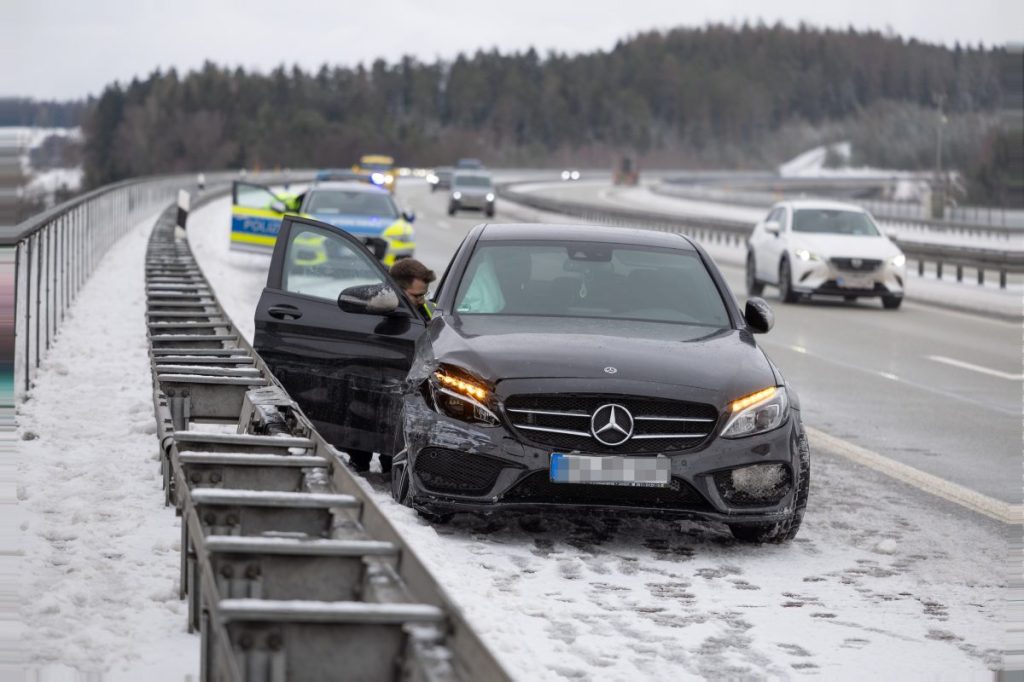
{"x":786,"y":530}
{"x":786,"y":292}
{"x":754,"y":287}
{"x":891,"y":302}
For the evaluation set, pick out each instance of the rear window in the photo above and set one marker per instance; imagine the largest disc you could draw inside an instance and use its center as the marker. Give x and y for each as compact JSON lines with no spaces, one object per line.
{"x":590,"y":280}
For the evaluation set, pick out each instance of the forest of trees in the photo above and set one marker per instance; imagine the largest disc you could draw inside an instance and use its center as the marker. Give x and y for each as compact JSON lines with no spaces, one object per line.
{"x":22,"y":111}
{"x":718,"y":95}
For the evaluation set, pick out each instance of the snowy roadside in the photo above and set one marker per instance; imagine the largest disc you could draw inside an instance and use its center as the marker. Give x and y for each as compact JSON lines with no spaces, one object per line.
{"x":883,"y":581}
{"x":101,"y":551}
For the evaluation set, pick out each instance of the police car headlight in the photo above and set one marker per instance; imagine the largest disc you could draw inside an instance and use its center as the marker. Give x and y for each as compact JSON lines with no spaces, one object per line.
{"x":389,"y":179}
{"x":377,"y":178}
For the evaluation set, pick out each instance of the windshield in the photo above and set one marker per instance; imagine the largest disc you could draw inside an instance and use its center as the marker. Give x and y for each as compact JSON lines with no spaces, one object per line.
{"x":472,"y":181}
{"x":831,"y":221}
{"x":351,"y":202}
{"x":595,"y":280}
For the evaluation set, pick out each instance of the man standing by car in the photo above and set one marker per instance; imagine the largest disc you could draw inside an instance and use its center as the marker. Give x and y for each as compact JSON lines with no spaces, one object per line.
{"x":414,"y":277}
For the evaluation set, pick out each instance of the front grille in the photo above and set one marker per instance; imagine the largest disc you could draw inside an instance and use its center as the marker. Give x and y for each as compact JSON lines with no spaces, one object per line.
{"x":451,"y":471}
{"x":562,"y":422}
{"x":537,"y":487}
{"x":861,"y":264}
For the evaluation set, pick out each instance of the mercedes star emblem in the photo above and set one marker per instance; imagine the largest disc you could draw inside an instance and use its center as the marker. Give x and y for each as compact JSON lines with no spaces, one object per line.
{"x":610,"y":370}
{"x":856,"y":262}
{"x":611,"y":424}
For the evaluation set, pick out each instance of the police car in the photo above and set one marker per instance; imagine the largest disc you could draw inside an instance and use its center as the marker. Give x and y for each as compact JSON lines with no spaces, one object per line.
{"x":363,"y":210}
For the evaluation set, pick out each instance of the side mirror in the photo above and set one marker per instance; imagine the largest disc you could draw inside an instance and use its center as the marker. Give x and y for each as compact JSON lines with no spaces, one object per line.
{"x":772,"y":227}
{"x":759,"y":316}
{"x":369,"y":299}
{"x":409,"y":215}
{"x":278,"y":206}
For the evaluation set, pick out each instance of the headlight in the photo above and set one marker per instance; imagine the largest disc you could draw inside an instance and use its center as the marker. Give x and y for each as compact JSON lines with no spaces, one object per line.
{"x":433,"y":179}
{"x":490,"y":196}
{"x":456,"y":195}
{"x":377,"y":178}
{"x":805,"y":255}
{"x":575,"y":175}
{"x":389,"y":179}
{"x":566,"y":175}
{"x":460,"y":397}
{"x":898,"y":260}
{"x":756,"y":413}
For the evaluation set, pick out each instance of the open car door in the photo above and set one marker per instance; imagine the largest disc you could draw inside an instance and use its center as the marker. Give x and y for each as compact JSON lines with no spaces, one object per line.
{"x":256,"y":214}
{"x":345,"y":367}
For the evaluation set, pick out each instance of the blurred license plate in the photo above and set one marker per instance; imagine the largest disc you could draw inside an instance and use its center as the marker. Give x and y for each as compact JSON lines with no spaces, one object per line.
{"x":650,"y":472}
{"x":855,"y":282}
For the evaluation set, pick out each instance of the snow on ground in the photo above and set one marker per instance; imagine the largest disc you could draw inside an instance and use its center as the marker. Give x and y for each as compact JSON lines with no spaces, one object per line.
{"x":811,"y":164}
{"x":101,"y":550}
{"x":49,"y":181}
{"x":883,"y":582}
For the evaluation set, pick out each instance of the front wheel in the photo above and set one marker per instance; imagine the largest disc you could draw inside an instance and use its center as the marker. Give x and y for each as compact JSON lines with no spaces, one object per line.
{"x":754,"y":287}
{"x":786,"y":292}
{"x":892,"y":302}
{"x":786,"y":530}
{"x":451,"y":210}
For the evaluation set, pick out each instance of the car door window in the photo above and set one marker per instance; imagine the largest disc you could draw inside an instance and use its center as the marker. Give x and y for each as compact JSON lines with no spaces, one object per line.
{"x":253,"y":196}
{"x":322,"y":264}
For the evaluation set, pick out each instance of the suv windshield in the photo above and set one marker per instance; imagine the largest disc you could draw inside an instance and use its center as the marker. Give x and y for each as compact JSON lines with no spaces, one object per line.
{"x":832,"y":221}
{"x":595,"y":280}
{"x":350,"y":202}
{"x":472,"y":181}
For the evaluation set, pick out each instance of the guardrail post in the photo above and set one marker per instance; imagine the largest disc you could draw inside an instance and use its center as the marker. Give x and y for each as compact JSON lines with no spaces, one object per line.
{"x":1002,"y":279}
{"x":981,"y":276}
{"x":959,"y":273}
{"x":920,"y":267}
{"x":938,"y":269}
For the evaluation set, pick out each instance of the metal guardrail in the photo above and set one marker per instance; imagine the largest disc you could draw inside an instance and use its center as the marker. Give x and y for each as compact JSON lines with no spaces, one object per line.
{"x":291,"y":570}
{"x":736,"y":233}
{"x":904,"y":213}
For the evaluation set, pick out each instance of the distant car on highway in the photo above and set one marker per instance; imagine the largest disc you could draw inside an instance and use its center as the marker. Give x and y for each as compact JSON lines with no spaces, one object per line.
{"x":363,"y":210}
{"x":811,"y":248}
{"x":565,"y":367}
{"x":472,"y":190}
{"x":380,"y":170}
{"x":440,"y":178}
{"x":570,"y":174}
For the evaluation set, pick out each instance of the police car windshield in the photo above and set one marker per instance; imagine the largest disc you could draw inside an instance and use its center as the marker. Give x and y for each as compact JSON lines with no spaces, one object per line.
{"x":830,"y":221}
{"x":350,"y":202}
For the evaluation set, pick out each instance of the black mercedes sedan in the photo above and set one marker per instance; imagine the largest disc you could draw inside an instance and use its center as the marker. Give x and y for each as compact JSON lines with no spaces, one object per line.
{"x":566,"y":366}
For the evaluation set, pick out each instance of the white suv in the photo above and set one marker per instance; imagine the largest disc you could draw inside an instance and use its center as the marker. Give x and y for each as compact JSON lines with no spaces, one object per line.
{"x":824,"y":248}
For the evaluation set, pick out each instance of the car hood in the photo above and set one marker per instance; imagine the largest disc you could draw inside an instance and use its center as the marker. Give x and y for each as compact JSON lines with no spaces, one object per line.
{"x":355,"y":224}
{"x":498,"y":348}
{"x":844,"y":245}
{"x":474,"y":191}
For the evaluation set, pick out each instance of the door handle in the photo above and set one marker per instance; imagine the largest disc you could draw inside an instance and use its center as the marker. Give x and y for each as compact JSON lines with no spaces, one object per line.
{"x":284,"y":312}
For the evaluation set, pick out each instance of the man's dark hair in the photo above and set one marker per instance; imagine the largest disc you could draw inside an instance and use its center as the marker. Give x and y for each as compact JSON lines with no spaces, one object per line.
{"x":406,"y":270}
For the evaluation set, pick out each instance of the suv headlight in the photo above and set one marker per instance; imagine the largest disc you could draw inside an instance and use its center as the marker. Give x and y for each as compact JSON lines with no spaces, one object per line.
{"x":805,"y":255}
{"x":899,"y":260}
{"x":456,"y":395}
{"x":757,"y":413}
{"x":456,"y":195}
{"x":490,"y":196}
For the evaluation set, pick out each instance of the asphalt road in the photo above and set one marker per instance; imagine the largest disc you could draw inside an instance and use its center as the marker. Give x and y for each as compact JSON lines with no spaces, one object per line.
{"x":937,"y":390}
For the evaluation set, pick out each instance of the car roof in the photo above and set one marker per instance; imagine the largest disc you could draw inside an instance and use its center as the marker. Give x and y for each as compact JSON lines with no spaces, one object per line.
{"x":584,"y":233}
{"x":825,"y":204}
{"x":348,"y":186}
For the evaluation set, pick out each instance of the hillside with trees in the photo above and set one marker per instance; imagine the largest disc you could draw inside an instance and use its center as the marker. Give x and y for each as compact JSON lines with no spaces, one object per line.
{"x":716,"y":96}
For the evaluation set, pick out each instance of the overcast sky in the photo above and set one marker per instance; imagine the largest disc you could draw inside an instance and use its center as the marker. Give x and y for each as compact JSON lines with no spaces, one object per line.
{"x":69,"y":48}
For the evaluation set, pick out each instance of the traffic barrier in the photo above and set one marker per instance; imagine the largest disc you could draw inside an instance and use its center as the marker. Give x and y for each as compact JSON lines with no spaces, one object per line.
{"x":290,"y":569}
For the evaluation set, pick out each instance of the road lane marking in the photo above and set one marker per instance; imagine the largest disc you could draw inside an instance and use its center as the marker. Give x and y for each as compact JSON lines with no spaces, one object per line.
{"x":986,"y":404}
{"x":929,"y":483}
{"x":975,"y":368}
